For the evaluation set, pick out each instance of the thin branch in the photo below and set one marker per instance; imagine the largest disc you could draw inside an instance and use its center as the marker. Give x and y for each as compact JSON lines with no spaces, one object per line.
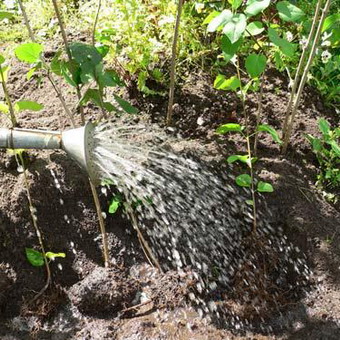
{"x":27,"y":24}
{"x":96,"y":22}
{"x":259,"y":112}
{"x":7,"y":98}
{"x":300,"y":69}
{"x":173,"y":64}
{"x":304,"y":76}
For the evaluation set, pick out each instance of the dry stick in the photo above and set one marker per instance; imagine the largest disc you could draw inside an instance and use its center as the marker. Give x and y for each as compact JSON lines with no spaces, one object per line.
{"x":7,"y":98}
{"x":173,"y":64}
{"x":250,"y":164}
{"x":93,"y":188}
{"x":96,"y":21}
{"x":63,"y":34}
{"x":304,"y":76}
{"x":300,"y":68}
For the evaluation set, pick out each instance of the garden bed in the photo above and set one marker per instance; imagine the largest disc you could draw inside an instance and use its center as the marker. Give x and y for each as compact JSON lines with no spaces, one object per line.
{"x":87,"y":301}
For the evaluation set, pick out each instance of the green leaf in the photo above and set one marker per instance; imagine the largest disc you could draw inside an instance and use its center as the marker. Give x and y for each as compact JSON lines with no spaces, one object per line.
{"x":330,"y":21}
{"x":285,"y":46}
{"x":127,"y":107}
{"x":27,"y":105}
{"x":231,"y":127}
{"x":234,"y":158}
{"x":254,"y":7}
{"x":264,"y":187}
{"x":335,"y":147}
{"x":250,"y":202}
{"x":5,"y":15}
{"x":71,"y":72}
{"x":56,"y":64}
{"x":50,"y":255}
{"x":271,"y":131}
{"x":317,"y":145}
{"x":4,"y":108}
{"x":210,"y":17}
{"x":235,"y":4}
{"x":34,"y":257}
{"x":243,"y":180}
{"x":29,"y":53}
{"x":2,"y":59}
{"x":5,"y":70}
{"x":92,"y":95}
{"x":228,"y":48}
{"x":220,"y":20}
{"x":114,"y":205}
{"x":255,"y":64}
{"x":289,"y":12}
{"x":235,"y":27}
{"x":222,"y":83}
{"x":324,"y":126}
{"x":254,"y":28}
{"x":30,"y":73}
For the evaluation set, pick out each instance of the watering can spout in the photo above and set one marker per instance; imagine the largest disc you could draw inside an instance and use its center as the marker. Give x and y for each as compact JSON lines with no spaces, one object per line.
{"x":76,"y":142}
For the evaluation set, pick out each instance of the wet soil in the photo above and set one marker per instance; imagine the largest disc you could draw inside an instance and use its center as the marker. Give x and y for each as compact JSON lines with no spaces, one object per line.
{"x":133,"y":300}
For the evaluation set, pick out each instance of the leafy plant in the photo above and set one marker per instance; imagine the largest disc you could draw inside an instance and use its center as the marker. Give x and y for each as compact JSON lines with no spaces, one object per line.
{"x":36,"y":258}
{"x":327,"y":151}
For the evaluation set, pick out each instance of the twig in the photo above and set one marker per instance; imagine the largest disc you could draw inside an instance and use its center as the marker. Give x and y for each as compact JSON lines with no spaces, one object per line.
{"x":29,"y":29}
{"x":173,"y":64}
{"x":136,"y":306}
{"x":259,"y":112}
{"x":96,"y":22}
{"x":296,"y":100}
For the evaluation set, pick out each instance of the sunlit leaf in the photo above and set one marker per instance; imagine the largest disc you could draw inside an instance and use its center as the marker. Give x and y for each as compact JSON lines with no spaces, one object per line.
{"x":27,"y":105}
{"x":228,"y":48}
{"x":285,"y":46}
{"x":50,"y":255}
{"x":330,"y":21}
{"x":220,"y":20}
{"x":254,"y":28}
{"x":223,"y":83}
{"x":231,"y":127}
{"x":5,"y":15}
{"x":4,"y":107}
{"x":127,"y":107}
{"x":235,"y":27}
{"x":255,"y":7}
{"x":29,"y":53}
{"x":114,"y":205}
{"x":2,"y":59}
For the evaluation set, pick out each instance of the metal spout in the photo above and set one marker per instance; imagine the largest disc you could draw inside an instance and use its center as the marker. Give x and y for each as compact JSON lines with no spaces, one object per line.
{"x":76,"y":142}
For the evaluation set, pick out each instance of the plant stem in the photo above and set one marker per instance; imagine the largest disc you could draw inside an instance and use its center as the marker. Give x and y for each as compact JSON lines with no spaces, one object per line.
{"x":37,"y":230}
{"x":96,"y":22}
{"x":8,"y":100}
{"x":296,"y":101}
{"x":173,"y":64}
{"x":69,"y":55}
{"x":250,"y":164}
{"x":299,"y":69}
{"x":259,"y":112}
{"x":24,"y":14}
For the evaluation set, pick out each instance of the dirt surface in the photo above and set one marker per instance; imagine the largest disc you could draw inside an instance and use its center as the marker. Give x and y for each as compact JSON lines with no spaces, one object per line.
{"x":132,"y":300}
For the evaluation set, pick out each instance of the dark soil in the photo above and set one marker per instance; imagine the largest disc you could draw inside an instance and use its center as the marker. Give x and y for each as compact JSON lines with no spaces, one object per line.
{"x":132,"y":300}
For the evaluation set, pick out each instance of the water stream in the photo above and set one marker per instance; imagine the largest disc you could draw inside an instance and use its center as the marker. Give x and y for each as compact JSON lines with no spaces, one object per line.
{"x":194,"y":216}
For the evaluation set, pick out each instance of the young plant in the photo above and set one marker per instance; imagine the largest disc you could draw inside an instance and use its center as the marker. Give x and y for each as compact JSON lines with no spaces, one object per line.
{"x":36,"y":258}
{"x":327,"y":151}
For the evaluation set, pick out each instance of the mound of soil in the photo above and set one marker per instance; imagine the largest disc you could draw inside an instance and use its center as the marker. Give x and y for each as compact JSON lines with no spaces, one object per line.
{"x":132,"y":300}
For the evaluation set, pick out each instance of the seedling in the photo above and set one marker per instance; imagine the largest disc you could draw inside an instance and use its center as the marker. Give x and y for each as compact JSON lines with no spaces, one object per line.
{"x":36,"y":258}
